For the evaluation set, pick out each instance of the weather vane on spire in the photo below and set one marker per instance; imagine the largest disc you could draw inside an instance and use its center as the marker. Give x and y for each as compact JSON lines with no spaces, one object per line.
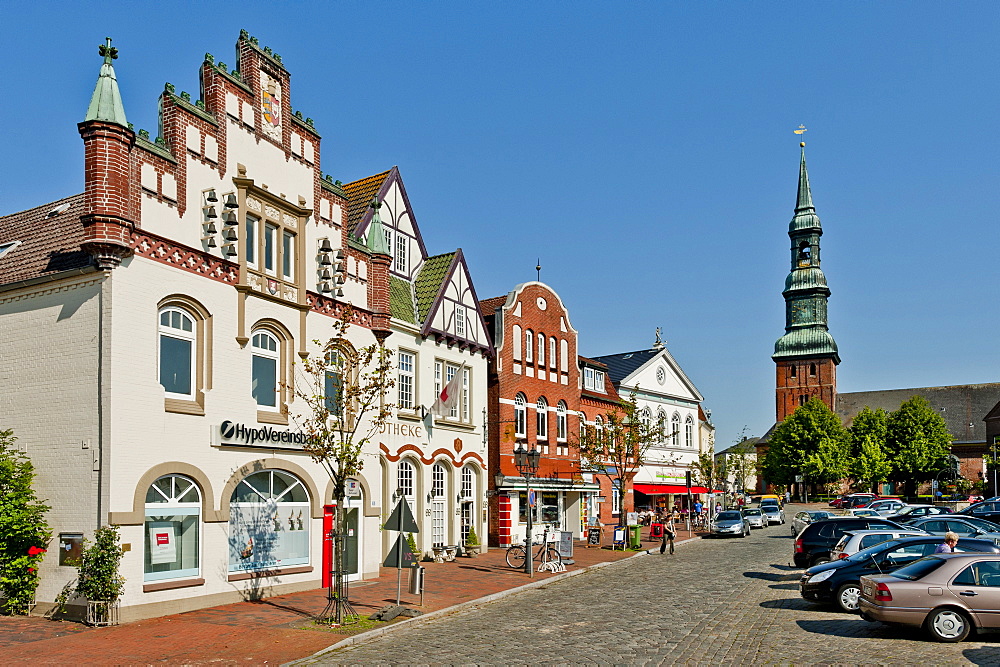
{"x":107,"y":51}
{"x":802,"y":130}
{"x":538,"y":269}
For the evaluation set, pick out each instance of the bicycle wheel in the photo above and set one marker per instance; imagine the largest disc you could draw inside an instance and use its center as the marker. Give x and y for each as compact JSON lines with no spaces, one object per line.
{"x":551,"y":555}
{"x":515,"y":557}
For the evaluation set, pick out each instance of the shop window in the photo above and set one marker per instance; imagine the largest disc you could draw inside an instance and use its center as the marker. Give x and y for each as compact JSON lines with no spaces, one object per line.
{"x":269,"y":522}
{"x":549,"y":511}
{"x":172,"y":529}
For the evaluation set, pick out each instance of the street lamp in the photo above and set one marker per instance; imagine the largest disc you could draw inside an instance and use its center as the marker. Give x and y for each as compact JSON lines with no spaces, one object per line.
{"x":527,"y":464}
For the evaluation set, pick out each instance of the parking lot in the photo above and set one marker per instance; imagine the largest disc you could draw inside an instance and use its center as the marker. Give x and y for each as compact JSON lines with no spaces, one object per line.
{"x":715,"y":601}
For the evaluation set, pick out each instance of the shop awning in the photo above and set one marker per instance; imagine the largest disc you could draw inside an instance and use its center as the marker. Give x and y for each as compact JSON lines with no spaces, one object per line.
{"x":660,"y":489}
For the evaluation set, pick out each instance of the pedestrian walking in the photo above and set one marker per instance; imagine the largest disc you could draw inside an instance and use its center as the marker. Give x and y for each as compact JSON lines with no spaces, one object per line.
{"x":668,"y":538}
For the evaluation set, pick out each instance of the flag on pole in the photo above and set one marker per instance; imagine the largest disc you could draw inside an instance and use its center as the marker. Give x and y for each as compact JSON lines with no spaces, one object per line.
{"x":448,"y":398}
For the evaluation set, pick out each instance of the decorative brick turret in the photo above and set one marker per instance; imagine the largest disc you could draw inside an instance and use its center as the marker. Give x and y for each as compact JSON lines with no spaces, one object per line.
{"x":378,"y":275}
{"x":108,"y":143}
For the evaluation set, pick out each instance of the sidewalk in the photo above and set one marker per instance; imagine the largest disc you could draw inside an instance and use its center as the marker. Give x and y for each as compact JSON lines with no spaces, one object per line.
{"x":275,"y":630}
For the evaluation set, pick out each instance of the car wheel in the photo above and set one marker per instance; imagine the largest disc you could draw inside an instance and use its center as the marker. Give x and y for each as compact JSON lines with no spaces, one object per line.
{"x":847,"y":597}
{"x":819,"y":560}
{"x":948,"y":625}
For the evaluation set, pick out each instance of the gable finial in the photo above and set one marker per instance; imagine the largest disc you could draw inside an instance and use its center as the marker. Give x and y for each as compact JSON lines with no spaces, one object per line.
{"x":658,"y":343}
{"x":107,"y":51}
{"x":538,"y":270}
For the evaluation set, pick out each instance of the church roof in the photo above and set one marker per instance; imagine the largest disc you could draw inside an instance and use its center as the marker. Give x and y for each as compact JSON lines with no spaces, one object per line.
{"x":106,"y":102}
{"x":805,"y":343}
{"x":49,"y":241}
{"x":963,"y":407}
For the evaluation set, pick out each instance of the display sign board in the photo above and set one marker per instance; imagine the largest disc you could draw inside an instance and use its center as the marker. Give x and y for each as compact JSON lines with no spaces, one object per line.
{"x":632,"y":518}
{"x":162,"y":542}
{"x":621,"y":535}
{"x":594,"y":537}
{"x":565,"y":545}
{"x":352,"y":487}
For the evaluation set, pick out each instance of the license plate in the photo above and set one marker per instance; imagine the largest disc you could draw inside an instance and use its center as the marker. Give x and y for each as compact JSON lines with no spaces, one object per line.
{"x":868,"y":591}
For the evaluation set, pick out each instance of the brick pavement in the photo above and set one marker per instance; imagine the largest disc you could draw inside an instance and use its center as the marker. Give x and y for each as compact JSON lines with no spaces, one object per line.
{"x":275,"y":630}
{"x":714,"y":602}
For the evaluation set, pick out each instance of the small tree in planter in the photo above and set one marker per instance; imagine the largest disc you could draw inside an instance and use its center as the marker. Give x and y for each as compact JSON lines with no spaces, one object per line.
{"x":23,"y":528}
{"x":472,"y":542}
{"x":98,"y":579}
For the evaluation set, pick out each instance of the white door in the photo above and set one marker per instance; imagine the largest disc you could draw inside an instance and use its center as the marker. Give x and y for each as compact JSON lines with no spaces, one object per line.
{"x":437,"y":523}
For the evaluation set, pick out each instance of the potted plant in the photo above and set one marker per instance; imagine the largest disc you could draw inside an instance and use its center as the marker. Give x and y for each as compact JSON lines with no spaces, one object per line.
{"x":98,"y":579}
{"x":472,"y":543}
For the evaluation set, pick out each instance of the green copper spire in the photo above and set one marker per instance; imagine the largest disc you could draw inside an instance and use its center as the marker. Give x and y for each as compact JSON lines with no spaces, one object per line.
{"x":806,"y":291}
{"x":106,"y":103}
{"x":376,"y":235}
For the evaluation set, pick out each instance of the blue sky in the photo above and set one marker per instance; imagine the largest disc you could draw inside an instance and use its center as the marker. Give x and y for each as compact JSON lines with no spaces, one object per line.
{"x":643,"y":151}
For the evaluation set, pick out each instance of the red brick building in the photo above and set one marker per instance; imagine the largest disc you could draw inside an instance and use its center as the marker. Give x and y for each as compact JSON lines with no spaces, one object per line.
{"x":535,"y":401}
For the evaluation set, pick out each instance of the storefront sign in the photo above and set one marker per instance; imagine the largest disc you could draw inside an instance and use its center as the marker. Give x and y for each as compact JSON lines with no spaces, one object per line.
{"x":352,"y":487}
{"x":232,"y":432}
{"x":405,"y":430}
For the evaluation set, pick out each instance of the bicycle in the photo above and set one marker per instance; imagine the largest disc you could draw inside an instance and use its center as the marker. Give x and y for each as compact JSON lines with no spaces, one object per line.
{"x":546,"y":554}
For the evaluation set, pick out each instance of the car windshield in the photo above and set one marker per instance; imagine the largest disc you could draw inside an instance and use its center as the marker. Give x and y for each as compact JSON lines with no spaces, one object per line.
{"x":770,"y":508}
{"x":816,"y":516}
{"x":919,"y":568}
{"x":729,"y":516}
{"x":753,"y":512}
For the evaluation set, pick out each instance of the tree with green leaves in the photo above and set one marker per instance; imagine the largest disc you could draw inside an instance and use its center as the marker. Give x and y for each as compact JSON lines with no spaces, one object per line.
{"x":920,"y":443}
{"x":23,"y":528}
{"x":809,"y":442}
{"x":619,"y":448}
{"x":742,"y":460}
{"x":344,"y":390}
{"x":869,"y":460}
{"x":710,"y":472}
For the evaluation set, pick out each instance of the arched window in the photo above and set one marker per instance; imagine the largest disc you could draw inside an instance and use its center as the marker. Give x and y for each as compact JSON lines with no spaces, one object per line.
{"x":172,"y":529}
{"x":616,"y":496}
{"x":647,"y":417}
{"x":529,"y":344}
{"x":689,"y":432}
{"x":661,"y":421}
{"x":520,"y":416}
{"x":583,"y":424}
{"x":404,"y":480}
{"x":553,"y":358}
{"x":675,"y":430}
{"x":264,"y":369}
{"x":812,"y":369}
{"x":561,"y":421}
{"x":269,"y":522}
{"x":333,"y":382}
{"x":542,"y":418}
{"x":516,"y":340}
{"x":437,"y":481}
{"x":467,"y":483}
{"x":177,"y":353}
{"x":541,"y":349}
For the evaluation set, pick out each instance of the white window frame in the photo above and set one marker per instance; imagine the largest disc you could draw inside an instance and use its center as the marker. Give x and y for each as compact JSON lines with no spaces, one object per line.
{"x":172,"y":506}
{"x":252,"y":234}
{"x":468,"y":484}
{"x":616,"y":496}
{"x":529,"y":346}
{"x":406,"y":364}
{"x":518,"y":342}
{"x":541,"y":350}
{"x":189,"y":337}
{"x":561,"y":421}
{"x":406,"y":479}
{"x":542,"y":419}
{"x":553,"y":355}
{"x":460,"y":320}
{"x":520,"y":416}
{"x":256,"y":337}
{"x":675,"y":430}
{"x":466,"y":407}
{"x":287,"y":255}
{"x":269,"y":248}
{"x":401,"y":251}
{"x":438,"y":475}
{"x":689,"y":432}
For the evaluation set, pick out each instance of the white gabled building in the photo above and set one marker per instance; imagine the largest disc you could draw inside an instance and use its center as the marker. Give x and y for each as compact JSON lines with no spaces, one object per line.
{"x":436,"y":461}
{"x":662,"y":391}
{"x":151,"y":328}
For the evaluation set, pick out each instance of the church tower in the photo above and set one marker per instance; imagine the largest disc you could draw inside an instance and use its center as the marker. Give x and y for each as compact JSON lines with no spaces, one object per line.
{"x":806,"y":356}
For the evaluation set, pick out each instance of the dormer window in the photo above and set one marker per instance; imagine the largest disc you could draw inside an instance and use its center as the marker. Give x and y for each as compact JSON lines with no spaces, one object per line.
{"x":8,"y":246}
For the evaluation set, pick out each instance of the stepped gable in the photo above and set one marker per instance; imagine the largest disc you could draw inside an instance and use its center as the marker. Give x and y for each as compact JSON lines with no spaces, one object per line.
{"x":50,"y":242}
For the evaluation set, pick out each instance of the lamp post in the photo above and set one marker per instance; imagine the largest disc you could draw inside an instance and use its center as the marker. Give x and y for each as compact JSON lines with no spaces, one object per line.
{"x":527,"y":464}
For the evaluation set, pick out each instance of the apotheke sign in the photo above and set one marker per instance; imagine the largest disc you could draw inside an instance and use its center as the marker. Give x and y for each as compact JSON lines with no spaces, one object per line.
{"x":232,"y":433}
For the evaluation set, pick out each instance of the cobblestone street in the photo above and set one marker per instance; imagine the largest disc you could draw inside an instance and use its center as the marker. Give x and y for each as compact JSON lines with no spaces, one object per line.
{"x":714,"y":602}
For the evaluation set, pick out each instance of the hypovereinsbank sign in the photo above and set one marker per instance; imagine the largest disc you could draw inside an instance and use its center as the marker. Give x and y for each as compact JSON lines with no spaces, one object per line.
{"x":234,"y":433}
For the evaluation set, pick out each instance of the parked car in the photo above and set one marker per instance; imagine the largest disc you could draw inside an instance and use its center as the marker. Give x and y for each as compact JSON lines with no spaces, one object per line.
{"x":964,"y":595}
{"x":773,"y":513}
{"x":963,"y":526}
{"x":730,"y":522}
{"x":840,"y":580}
{"x":806,"y":517}
{"x":984,"y":510}
{"x":854,"y":541}
{"x":911,"y":512}
{"x":859,"y":500}
{"x":861,"y":511}
{"x":836,"y":500}
{"x":769,"y":496}
{"x":814,"y":543}
{"x":886,"y":506}
{"x":756,"y":517}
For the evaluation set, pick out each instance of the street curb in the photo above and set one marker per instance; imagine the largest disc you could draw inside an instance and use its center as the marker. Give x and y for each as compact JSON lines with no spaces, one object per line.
{"x":410,"y":622}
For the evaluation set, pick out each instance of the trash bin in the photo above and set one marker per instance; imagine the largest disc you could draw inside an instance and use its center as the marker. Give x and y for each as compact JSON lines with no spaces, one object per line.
{"x":635,"y":537}
{"x":417,"y":580}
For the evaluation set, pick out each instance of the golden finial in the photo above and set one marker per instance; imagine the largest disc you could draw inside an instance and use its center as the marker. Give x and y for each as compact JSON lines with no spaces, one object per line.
{"x":800,"y":132}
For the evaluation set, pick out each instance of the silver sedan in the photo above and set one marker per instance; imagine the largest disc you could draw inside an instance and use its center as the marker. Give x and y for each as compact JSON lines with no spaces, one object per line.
{"x":755,"y":517}
{"x":730,"y":523}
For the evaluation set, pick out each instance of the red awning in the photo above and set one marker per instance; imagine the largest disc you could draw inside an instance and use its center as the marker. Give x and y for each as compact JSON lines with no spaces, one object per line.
{"x":660,"y":489}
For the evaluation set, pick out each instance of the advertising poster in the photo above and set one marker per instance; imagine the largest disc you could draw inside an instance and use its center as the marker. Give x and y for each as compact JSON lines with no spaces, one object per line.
{"x":162,"y":542}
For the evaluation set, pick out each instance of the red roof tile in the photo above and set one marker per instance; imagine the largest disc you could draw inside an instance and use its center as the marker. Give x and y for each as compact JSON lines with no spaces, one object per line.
{"x":359,"y":196}
{"x":50,"y":243}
